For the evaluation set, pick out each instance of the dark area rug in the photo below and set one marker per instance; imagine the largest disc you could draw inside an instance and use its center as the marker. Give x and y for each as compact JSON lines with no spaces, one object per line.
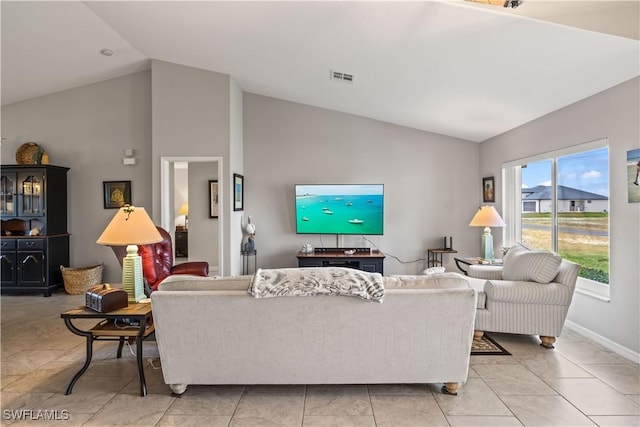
{"x":487,"y":346}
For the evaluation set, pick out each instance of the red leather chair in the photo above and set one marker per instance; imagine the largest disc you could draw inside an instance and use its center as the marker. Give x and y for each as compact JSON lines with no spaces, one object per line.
{"x":157,"y":261}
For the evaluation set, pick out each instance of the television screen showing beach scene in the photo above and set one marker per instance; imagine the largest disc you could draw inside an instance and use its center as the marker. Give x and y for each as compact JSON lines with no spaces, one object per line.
{"x":340,"y":209}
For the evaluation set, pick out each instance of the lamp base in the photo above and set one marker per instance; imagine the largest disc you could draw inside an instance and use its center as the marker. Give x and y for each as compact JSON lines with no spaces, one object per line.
{"x":487,"y":245}
{"x":132,"y":279}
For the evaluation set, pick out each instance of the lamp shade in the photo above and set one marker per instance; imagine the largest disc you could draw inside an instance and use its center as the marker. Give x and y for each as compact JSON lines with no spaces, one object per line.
{"x":130,"y":226}
{"x":184,"y":209}
{"x":487,"y":216}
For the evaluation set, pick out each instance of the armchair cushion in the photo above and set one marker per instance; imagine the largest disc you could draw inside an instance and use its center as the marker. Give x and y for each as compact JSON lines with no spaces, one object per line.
{"x":526,"y":292}
{"x":196,"y":268}
{"x":522,"y":264}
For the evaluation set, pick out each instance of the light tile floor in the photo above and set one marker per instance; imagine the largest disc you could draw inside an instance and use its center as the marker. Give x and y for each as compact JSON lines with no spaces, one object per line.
{"x":580,"y":383}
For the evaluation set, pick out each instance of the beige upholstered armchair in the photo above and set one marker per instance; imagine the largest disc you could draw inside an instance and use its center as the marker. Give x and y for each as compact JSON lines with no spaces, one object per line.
{"x":529,"y":294}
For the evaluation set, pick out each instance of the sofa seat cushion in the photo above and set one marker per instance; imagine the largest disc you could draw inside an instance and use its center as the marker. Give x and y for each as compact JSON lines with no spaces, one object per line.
{"x":522,"y":264}
{"x":478,"y":285}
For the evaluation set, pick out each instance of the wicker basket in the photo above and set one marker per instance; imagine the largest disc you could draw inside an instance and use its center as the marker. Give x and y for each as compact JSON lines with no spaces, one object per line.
{"x":78,"y":280}
{"x":29,"y":153}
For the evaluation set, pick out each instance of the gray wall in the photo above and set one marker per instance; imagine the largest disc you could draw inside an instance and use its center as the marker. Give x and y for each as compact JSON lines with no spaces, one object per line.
{"x":233,"y":232}
{"x":203,"y":231}
{"x":613,"y":114}
{"x":191,"y":117}
{"x":432,"y":184}
{"x":87,"y":130}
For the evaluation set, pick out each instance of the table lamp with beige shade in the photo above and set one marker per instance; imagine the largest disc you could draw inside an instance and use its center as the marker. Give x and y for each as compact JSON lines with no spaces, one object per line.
{"x":184,"y":210}
{"x":487,"y":217}
{"x":131,"y":226}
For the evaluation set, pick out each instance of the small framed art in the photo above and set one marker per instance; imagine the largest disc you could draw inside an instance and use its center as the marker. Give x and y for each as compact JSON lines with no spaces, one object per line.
{"x":116,"y":194}
{"x":238,"y":192}
{"x":488,"y":190}
{"x":213,"y":199}
{"x":633,"y":175}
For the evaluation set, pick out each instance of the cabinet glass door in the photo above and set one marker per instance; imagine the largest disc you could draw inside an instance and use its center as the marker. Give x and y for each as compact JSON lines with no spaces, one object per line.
{"x":32,"y":195}
{"x":8,"y":194}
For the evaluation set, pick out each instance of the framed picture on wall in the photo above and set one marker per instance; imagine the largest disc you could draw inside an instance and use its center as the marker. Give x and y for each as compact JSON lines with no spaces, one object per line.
{"x":488,"y":190}
{"x":213,"y":199}
{"x":116,"y":194}
{"x":238,"y":192}
{"x":633,"y":175}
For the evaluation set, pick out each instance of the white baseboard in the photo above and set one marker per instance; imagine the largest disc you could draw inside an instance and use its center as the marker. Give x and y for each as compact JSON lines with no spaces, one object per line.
{"x":606,"y":342}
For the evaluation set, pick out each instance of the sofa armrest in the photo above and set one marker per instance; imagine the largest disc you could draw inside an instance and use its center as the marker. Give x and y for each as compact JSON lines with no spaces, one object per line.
{"x":487,"y":272}
{"x":528,"y":292}
{"x":196,"y":268}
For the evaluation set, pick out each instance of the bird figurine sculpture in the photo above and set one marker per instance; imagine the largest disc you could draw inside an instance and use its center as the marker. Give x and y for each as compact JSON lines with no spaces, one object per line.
{"x":251,"y":231}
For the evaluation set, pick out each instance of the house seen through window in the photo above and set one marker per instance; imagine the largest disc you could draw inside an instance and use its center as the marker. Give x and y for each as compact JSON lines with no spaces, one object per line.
{"x":563,"y":206}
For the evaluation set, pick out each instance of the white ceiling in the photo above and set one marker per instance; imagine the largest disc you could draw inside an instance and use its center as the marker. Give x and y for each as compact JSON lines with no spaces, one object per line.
{"x":452,"y":67}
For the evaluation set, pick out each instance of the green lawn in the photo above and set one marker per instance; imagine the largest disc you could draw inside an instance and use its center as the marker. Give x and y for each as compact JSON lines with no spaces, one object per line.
{"x":591,"y":252}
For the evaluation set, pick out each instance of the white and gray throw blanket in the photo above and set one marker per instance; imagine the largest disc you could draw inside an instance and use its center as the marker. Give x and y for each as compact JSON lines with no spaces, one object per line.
{"x":267,"y":283}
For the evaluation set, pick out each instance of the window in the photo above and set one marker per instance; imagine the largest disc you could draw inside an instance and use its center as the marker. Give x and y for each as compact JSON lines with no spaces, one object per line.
{"x":559,"y":201}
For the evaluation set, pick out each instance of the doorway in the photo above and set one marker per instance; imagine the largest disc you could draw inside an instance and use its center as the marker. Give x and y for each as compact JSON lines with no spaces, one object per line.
{"x":205,"y":234}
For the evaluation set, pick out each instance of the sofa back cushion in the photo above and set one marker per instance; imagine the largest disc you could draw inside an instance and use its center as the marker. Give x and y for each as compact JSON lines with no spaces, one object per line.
{"x":521,"y":263}
{"x":432,"y":281}
{"x":183,"y":282}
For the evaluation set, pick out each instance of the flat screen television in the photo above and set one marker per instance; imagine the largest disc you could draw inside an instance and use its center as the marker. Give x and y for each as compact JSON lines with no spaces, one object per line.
{"x":340,"y":209}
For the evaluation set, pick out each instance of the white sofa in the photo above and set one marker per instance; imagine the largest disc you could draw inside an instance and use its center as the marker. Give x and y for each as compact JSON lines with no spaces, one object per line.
{"x":529,"y":294}
{"x":211,"y":331}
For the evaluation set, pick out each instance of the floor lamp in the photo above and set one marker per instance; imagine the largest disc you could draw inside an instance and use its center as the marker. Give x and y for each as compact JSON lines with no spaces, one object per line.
{"x":487,"y":217}
{"x":131,"y":226}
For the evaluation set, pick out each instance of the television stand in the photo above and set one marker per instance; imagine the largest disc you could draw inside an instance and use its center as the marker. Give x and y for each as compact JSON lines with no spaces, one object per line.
{"x":340,"y":251}
{"x":371,"y":261}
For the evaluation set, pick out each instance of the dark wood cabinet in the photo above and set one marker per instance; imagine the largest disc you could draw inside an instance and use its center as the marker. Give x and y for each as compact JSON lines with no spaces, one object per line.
{"x":8,"y":267}
{"x":35,"y":241}
{"x":182,"y":244}
{"x":373,"y":263}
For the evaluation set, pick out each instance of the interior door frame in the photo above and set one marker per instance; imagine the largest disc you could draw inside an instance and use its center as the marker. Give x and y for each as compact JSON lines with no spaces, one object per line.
{"x":167,"y":191}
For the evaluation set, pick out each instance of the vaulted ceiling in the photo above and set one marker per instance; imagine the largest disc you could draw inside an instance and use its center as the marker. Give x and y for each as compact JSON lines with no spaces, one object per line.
{"x":456,"y":68}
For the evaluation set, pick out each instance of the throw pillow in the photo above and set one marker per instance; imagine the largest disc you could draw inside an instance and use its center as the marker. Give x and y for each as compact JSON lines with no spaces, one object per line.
{"x":513,"y":251}
{"x":434,"y":270}
{"x":523,"y":264}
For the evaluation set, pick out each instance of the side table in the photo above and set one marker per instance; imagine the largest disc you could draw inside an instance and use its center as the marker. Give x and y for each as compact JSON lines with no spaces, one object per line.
{"x":245,"y":260}
{"x":434,"y":256}
{"x":463,"y":263}
{"x":107,"y":330}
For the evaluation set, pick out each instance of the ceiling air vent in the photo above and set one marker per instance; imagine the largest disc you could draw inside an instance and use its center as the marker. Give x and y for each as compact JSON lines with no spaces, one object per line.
{"x":337,"y":75}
